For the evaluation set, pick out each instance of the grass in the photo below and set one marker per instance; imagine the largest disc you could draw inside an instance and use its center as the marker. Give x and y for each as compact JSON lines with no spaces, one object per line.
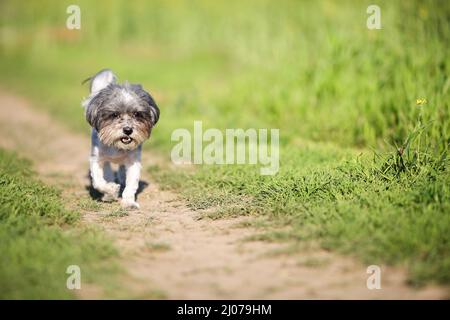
{"x":117,"y":213}
{"x":89,"y":204}
{"x":258,"y":64}
{"x":312,"y":68}
{"x":38,"y":241}
{"x":389,"y":208}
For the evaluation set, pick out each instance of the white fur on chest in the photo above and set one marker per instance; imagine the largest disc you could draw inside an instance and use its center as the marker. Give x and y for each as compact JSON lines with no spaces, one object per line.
{"x":102,"y":176}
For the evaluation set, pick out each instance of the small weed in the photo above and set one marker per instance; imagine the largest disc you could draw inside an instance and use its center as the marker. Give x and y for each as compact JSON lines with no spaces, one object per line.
{"x":117,"y":213}
{"x":314,"y":262}
{"x":88,"y":204}
{"x":158,"y":246}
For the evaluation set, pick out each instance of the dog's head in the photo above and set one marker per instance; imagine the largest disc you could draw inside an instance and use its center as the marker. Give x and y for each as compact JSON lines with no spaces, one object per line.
{"x":123,"y":115}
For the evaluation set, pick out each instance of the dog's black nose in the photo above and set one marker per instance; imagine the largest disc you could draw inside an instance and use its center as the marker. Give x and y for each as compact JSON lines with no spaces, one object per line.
{"x":128,"y":130}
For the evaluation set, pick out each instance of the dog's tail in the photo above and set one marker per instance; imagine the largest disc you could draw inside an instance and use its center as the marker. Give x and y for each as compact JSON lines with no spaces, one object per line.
{"x":101,"y":80}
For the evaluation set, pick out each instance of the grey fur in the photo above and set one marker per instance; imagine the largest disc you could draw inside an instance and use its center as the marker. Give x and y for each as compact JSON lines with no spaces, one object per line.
{"x":121,"y":105}
{"x":122,"y":117}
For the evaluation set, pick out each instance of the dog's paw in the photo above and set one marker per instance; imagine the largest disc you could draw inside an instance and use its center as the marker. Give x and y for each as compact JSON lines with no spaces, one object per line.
{"x":111,"y":192}
{"x":112,"y":188}
{"x":109,"y":197}
{"x":129,"y":204}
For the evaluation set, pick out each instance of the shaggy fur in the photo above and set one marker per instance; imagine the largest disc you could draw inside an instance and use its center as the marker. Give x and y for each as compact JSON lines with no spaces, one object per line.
{"x":122,"y":117}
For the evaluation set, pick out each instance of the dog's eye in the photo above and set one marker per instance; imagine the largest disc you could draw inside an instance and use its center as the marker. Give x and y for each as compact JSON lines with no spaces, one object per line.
{"x":115,"y":115}
{"x":137,"y":114}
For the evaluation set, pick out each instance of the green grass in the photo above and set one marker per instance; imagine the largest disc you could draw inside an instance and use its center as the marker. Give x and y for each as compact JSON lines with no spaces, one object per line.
{"x":89,"y":204}
{"x":387,"y":208}
{"x":311,"y":68}
{"x":117,"y":213}
{"x":38,"y":241}
{"x":252,"y":64}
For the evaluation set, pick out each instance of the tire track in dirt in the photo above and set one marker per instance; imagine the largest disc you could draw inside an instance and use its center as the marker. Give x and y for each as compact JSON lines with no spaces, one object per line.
{"x":166,"y":251}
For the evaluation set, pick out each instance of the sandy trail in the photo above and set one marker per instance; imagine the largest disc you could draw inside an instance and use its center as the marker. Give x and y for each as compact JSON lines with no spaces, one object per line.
{"x":166,"y":251}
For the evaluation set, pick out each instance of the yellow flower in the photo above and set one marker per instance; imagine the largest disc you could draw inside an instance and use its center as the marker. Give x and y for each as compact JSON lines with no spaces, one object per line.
{"x":420,"y":102}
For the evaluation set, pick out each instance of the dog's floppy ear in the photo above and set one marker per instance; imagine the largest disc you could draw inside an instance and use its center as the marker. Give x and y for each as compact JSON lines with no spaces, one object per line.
{"x":94,"y":105}
{"x":147,"y":98}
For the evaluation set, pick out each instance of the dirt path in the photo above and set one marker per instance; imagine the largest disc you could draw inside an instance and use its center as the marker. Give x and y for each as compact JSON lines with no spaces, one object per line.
{"x":167,"y":252}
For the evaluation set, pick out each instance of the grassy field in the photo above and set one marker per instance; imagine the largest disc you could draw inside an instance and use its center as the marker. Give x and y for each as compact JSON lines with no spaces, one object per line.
{"x":364,"y":167}
{"x":38,"y":240}
{"x":377,"y":209}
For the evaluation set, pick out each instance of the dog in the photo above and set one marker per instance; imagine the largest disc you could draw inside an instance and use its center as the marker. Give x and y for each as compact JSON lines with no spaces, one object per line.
{"x":122,"y":117}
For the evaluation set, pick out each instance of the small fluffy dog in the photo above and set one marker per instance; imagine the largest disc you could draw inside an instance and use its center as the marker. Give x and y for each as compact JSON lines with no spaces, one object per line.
{"x":122,"y":117}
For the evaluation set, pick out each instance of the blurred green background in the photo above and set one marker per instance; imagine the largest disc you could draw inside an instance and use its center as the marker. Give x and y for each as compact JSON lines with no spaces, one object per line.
{"x":311,"y":68}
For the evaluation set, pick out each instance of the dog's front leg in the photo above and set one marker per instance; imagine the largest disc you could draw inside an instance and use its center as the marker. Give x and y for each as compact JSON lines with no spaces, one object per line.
{"x":133,"y":173}
{"x":110,"y":190}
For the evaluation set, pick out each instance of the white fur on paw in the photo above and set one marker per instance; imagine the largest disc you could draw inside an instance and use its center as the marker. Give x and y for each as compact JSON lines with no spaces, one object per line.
{"x":108,"y":197}
{"x":129,"y":204}
{"x":111,"y":192}
{"x":112,"y":188}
